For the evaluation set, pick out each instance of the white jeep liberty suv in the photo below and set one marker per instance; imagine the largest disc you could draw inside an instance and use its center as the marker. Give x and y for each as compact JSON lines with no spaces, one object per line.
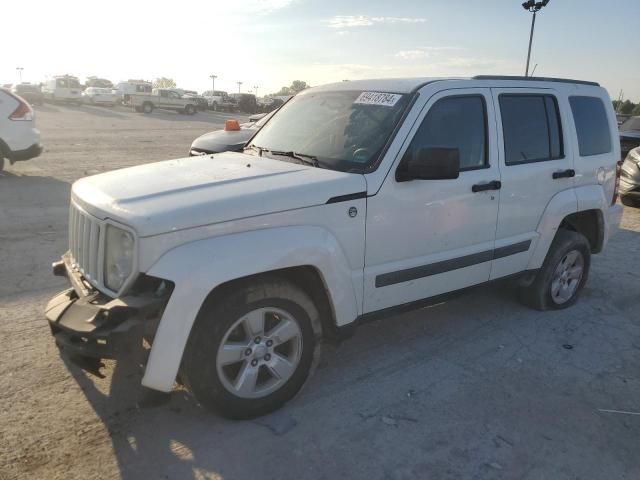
{"x":355,"y":199}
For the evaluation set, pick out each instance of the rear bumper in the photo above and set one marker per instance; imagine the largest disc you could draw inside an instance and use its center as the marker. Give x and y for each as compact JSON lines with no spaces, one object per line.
{"x":95,"y":325}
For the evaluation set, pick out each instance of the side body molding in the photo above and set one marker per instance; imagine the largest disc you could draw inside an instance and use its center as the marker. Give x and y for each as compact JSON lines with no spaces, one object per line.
{"x":197,"y":268}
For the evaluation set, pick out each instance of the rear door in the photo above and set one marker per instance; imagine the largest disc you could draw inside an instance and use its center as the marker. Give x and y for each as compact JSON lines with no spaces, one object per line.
{"x":536,"y":163}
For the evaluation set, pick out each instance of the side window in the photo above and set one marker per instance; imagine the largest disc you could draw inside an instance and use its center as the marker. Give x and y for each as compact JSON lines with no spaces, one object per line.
{"x":531,"y":128}
{"x":592,"y":126}
{"x":456,"y":122}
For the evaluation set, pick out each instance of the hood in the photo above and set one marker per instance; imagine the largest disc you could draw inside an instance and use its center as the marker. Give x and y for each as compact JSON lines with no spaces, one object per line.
{"x":224,"y":141}
{"x":635,"y":134}
{"x":190,"y":192}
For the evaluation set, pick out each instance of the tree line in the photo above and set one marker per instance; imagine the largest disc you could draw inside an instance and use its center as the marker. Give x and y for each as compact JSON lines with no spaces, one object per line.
{"x":626,"y":107}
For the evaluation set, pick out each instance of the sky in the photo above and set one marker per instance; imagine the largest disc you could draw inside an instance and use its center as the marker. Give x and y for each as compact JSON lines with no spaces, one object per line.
{"x":269,"y":43}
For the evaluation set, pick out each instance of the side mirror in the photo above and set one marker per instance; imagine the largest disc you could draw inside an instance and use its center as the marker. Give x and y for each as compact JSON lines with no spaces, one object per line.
{"x":433,"y":163}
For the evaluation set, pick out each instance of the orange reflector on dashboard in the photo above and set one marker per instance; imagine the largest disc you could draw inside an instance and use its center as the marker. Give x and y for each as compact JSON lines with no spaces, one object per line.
{"x":231,"y":125}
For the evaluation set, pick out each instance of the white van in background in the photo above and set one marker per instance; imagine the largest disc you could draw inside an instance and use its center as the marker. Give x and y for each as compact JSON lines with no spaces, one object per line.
{"x":124,"y":90}
{"x":64,"y":88}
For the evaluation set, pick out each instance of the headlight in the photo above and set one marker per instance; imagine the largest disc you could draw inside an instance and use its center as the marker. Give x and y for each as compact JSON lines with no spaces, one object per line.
{"x":118,"y":258}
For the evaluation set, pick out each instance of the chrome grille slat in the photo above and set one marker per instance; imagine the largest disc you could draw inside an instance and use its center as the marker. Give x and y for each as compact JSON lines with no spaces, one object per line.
{"x":84,"y":243}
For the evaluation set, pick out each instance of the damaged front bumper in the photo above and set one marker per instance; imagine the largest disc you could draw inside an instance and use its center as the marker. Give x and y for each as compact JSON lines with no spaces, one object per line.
{"x":88,"y":323}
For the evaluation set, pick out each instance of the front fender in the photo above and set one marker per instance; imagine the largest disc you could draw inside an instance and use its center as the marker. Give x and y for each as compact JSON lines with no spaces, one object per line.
{"x":197,"y":268}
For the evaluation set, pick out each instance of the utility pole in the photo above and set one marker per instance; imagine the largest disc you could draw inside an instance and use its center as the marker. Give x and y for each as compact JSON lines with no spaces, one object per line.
{"x":533,"y":7}
{"x":255,"y":88}
{"x":19,"y":69}
{"x":239,"y":83}
{"x":213,"y":83}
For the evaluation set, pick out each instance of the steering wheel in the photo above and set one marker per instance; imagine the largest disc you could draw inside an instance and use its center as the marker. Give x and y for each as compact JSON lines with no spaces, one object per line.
{"x":361,"y":155}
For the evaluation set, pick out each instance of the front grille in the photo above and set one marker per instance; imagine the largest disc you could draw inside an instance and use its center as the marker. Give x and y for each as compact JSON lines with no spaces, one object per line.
{"x":84,"y":243}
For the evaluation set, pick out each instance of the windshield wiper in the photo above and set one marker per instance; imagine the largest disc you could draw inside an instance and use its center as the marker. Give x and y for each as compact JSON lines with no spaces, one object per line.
{"x":302,"y":157}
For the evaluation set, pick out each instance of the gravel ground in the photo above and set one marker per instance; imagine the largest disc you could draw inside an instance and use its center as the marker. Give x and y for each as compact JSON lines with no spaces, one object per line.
{"x":478,"y":387}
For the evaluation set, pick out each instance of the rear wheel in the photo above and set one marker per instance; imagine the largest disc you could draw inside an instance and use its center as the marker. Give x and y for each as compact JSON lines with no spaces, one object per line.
{"x":1,"y":163}
{"x":563,"y":274}
{"x":630,"y":202}
{"x":252,"y":350}
{"x":147,"y":107}
{"x":189,"y":110}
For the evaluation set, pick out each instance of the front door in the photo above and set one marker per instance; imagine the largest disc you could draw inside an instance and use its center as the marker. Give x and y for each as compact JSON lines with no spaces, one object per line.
{"x":427,"y":237}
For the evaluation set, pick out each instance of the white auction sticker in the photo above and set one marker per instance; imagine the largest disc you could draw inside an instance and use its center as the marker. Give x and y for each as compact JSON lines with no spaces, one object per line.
{"x":378,"y":98}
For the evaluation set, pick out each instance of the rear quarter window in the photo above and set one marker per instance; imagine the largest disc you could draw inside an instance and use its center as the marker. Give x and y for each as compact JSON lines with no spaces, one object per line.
{"x":592,"y":126}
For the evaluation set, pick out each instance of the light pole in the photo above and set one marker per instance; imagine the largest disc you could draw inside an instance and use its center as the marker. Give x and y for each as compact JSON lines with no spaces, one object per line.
{"x":19,"y":69}
{"x":213,"y":83}
{"x":533,"y":7}
{"x":239,"y":83}
{"x":255,"y":88}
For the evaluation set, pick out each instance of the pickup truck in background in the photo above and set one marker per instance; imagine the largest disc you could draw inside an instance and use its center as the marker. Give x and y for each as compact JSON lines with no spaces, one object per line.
{"x":220,"y":101}
{"x":164,"y":99}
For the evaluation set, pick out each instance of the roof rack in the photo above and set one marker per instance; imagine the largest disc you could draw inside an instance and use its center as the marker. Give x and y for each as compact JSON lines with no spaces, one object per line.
{"x":534,"y":79}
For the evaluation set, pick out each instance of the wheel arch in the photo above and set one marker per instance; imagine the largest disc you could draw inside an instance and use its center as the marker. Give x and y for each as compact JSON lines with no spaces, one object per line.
{"x":589,"y":223}
{"x":311,"y":257}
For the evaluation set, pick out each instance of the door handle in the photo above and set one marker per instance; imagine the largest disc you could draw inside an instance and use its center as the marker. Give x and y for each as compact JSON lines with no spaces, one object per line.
{"x":564,"y":173}
{"x":481,"y":187}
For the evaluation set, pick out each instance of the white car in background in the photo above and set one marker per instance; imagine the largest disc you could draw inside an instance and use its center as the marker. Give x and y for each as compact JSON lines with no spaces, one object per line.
{"x":19,"y":140}
{"x":99,"y":96}
{"x":64,"y":88}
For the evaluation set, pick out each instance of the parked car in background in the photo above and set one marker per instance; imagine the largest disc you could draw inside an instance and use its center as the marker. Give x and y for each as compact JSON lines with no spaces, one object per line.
{"x":630,"y":179}
{"x":164,"y":99}
{"x":124,"y":90}
{"x":98,"y":82}
{"x":629,"y":135}
{"x":246,"y":102}
{"x":219,"y":100}
{"x":63,"y":88}
{"x":19,"y":139}
{"x":30,"y":92}
{"x":622,"y":117}
{"x":100,"y":96}
{"x":201,"y":102}
{"x":232,"y":138}
{"x":268,"y":104}
{"x":355,"y":200}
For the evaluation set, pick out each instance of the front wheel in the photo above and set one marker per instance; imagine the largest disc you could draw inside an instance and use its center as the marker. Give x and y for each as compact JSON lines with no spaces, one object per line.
{"x":147,"y":107}
{"x":190,"y":110}
{"x":250,"y":351}
{"x":1,"y":163}
{"x":563,"y":274}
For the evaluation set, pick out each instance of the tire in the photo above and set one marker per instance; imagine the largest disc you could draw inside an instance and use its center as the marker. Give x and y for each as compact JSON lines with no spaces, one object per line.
{"x":224,"y":320}
{"x":2,"y":160}
{"x":147,"y":107}
{"x":214,"y":107}
{"x":564,"y":272}
{"x":189,"y":110}
{"x":629,"y":202}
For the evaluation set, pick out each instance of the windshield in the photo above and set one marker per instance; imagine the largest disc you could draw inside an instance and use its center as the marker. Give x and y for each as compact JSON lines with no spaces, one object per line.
{"x":344,"y":130}
{"x":632,"y":124}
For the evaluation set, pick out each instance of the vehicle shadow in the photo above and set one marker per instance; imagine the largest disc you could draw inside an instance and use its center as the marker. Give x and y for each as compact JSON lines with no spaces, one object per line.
{"x":163,"y":441}
{"x":33,"y":219}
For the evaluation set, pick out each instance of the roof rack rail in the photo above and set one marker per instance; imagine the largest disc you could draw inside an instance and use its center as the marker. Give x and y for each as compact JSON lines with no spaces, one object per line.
{"x":534,"y":79}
